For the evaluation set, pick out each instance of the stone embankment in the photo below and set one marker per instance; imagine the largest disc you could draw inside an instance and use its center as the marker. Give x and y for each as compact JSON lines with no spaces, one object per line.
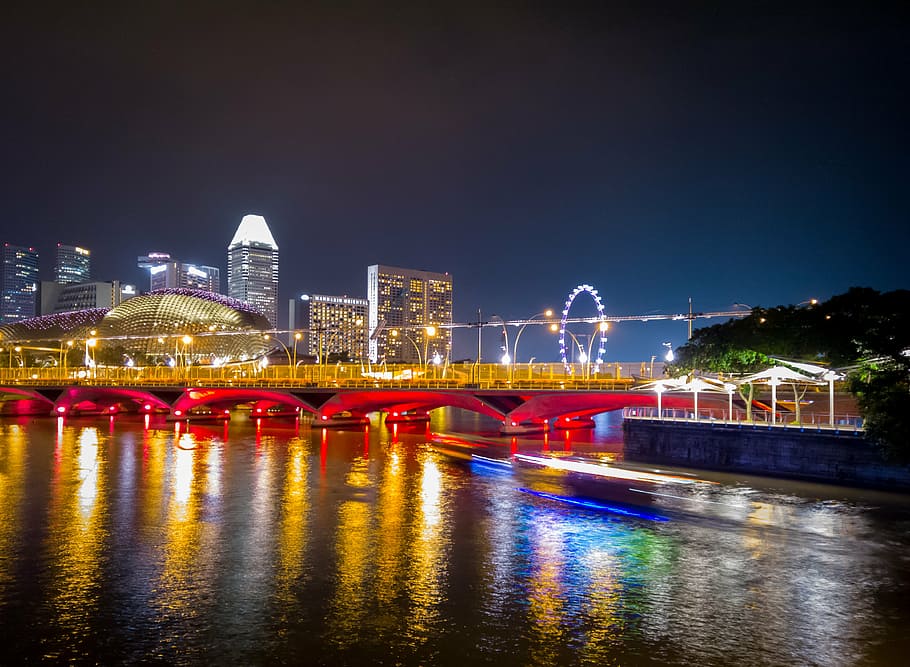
{"x":836,"y":457}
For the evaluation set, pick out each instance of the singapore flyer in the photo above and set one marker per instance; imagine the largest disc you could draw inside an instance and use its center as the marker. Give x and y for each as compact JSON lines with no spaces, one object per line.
{"x":601,"y":328}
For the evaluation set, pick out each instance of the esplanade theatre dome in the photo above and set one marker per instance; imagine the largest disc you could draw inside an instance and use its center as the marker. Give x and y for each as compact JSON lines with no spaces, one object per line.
{"x":205,"y":327}
{"x":222,"y":329}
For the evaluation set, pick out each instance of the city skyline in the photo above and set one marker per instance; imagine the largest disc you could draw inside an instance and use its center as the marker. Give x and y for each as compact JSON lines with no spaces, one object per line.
{"x":749,"y":154}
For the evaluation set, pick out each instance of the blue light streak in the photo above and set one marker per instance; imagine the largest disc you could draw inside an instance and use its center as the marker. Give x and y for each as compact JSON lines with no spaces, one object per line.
{"x":590,"y":504}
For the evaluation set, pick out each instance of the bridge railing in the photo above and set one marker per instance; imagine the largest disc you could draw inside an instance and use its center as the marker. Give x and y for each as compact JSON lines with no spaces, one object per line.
{"x":481,"y":376}
{"x":814,"y":420}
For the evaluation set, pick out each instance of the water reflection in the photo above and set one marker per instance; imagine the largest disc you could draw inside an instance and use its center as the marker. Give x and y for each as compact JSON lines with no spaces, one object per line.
{"x":285,"y":543}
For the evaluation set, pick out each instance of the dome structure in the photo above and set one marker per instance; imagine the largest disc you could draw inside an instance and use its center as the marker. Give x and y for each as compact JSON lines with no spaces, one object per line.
{"x":154,"y":328}
{"x":162,"y":322}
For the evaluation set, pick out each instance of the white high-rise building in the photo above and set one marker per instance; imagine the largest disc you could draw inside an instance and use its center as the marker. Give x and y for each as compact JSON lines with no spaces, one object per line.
{"x":253,"y":266}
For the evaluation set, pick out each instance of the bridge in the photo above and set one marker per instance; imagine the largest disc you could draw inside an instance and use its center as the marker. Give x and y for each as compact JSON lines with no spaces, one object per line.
{"x":523,"y":397}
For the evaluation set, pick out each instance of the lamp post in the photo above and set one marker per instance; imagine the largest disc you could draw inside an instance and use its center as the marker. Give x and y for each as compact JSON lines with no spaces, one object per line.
{"x":297,"y":337}
{"x":582,"y":358}
{"x":669,"y":356}
{"x":63,"y":357}
{"x":187,"y":341}
{"x":283,"y":346}
{"x":396,"y":333}
{"x":505,"y":359}
{"x":601,"y":329}
{"x":428,"y":333}
{"x":90,"y":344}
{"x":548,"y":313}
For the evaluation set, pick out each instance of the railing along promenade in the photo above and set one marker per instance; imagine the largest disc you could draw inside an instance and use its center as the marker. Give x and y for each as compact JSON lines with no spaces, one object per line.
{"x":807,"y":419}
{"x":544,"y":376}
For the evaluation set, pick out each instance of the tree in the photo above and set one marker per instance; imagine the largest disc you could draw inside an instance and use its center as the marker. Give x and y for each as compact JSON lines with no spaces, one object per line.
{"x":861,"y":328}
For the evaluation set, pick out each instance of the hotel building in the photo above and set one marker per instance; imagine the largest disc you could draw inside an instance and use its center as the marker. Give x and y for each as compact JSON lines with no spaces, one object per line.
{"x":403,"y":304}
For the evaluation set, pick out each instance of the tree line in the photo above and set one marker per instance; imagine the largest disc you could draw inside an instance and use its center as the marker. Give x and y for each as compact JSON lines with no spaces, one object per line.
{"x":863,"y":332}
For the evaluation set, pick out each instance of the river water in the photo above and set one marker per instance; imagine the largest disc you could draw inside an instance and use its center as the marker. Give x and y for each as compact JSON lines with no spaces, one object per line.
{"x":273,"y":542}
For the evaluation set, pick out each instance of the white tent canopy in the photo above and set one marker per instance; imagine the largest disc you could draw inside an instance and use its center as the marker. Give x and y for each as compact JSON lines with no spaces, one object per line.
{"x":775,"y":376}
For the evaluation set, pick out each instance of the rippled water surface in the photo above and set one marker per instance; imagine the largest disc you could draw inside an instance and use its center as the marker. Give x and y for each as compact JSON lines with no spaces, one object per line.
{"x":246,"y":543}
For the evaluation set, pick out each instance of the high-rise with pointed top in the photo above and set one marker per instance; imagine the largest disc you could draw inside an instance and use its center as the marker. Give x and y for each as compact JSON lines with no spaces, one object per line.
{"x":253,"y":266}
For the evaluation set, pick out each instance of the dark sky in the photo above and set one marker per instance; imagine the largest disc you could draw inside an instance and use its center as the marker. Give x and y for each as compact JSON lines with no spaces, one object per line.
{"x":750,"y":152}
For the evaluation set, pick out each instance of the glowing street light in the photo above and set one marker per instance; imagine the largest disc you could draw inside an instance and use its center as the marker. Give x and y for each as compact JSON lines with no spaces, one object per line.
{"x":395,"y":333}
{"x":548,"y":313}
{"x":602,"y":328}
{"x":669,"y":356}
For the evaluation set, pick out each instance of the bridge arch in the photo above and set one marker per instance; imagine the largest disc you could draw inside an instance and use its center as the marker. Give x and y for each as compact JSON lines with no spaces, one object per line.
{"x":25,"y":402}
{"x":544,"y":407}
{"x":73,"y":399}
{"x":222,"y":397}
{"x":360,"y":403}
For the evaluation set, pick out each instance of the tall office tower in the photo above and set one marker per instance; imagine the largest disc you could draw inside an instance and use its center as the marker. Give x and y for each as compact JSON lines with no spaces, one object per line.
{"x":253,"y":267}
{"x":405,"y":302}
{"x":329,"y":325}
{"x":74,"y":265}
{"x":166,"y":272}
{"x":18,"y":283}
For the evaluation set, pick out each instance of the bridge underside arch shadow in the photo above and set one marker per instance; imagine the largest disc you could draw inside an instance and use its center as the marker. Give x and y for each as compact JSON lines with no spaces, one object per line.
{"x":360,"y":403}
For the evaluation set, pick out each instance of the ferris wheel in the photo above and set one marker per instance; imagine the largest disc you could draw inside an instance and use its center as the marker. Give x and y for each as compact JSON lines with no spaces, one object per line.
{"x":601,"y":328}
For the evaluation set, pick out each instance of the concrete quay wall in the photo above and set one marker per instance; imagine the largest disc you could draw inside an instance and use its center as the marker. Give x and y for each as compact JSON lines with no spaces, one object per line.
{"x":819,"y":456}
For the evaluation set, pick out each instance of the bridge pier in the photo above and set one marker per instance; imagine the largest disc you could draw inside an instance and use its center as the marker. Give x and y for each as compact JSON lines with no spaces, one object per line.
{"x":571,"y":423}
{"x":513,"y":428}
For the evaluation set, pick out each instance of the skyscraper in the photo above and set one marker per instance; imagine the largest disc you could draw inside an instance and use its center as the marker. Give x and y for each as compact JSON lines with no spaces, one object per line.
{"x":328,"y":325}
{"x":166,"y":272}
{"x":403,"y":304}
{"x":18,"y":283}
{"x":74,"y":265}
{"x":253,"y":266}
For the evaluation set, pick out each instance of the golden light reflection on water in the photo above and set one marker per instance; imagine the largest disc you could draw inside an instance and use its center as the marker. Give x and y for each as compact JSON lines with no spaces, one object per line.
{"x":182,"y":471}
{"x":391,"y":508}
{"x":77,"y":535}
{"x":352,"y":548}
{"x":294,"y":524}
{"x":12,"y":480}
{"x":427,"y":562}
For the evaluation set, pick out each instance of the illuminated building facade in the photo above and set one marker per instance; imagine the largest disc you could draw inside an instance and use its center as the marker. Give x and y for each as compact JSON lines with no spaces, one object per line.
{"x":18,"y":283}
{"x":74,"y":265}
{"x":402,"y":304}
{"x":168,"y":273}
{"x":253,"y":266}
{"x":57,"y":298}
{"x":329,"y":326}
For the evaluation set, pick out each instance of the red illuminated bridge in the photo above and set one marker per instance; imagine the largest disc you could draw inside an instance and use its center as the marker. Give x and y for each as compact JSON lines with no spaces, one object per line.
{"x":522,"y":398}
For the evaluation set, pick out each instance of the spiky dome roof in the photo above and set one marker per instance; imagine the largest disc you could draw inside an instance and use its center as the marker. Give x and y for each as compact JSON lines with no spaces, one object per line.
{"x":76,"y":323}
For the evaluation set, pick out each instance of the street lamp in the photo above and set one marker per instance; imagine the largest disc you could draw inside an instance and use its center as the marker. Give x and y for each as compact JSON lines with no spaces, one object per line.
{"x":428,"y":333}
{"x":187,"y":340}
{"x":396,"y":333}
{"x":63,"y":357}
{"x":601,"y":329}
{"x":283,"y":346}
{"x":90,"y":344}
{"x":297,"y":337}
{"x":504,"y":359}
{"x":669,"y":356}
{"x":548,"y":313}
{"x":582,"y":358}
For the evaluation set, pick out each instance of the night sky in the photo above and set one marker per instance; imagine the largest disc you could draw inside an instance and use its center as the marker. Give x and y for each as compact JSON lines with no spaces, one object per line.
{"x":751,"y":152}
